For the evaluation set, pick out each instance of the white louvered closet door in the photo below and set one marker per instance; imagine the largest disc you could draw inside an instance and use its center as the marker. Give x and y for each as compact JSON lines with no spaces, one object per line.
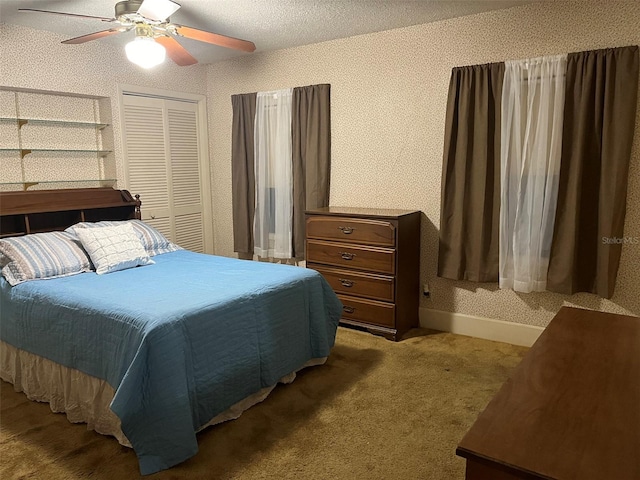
{"x":163,"y":165}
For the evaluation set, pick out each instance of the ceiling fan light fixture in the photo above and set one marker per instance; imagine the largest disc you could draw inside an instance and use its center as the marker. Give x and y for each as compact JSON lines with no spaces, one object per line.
{"x":155,"y":33}
{"x":145,"y":52}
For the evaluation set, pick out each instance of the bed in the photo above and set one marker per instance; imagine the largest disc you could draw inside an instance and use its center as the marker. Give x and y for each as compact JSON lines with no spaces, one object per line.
{"x":155,"y":353}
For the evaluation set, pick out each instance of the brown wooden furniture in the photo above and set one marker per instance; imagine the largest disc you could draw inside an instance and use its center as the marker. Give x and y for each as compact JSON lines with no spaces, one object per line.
{"x":36,"y":211}
{"x":371,"y":258}
{"x":571,"y":409}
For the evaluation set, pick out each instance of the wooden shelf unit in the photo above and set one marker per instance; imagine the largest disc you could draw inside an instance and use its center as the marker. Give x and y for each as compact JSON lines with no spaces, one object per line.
{"x":37,"y":211}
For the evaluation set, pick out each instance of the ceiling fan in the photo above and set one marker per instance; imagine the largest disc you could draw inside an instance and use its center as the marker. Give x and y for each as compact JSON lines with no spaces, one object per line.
{"x":154,"y":32}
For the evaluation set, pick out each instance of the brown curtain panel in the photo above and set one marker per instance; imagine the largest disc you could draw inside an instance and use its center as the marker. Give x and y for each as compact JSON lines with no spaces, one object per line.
{"x":242,"y":172}
{"x":311,"y":154}
{"x":599,"y":121}
{"x":470,"y":204}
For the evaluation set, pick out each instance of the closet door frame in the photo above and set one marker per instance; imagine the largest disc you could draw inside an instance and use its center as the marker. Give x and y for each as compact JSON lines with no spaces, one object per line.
{"x":203,"y":147}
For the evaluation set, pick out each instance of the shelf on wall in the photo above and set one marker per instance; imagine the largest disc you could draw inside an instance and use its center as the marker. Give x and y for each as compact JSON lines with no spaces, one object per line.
{"x":26,"y":151}
{"x":66,"y":135}
{"x":38,"y":121}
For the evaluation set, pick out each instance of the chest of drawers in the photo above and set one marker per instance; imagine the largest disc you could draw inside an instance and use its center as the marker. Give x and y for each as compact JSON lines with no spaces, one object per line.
{"x":371,"y":258}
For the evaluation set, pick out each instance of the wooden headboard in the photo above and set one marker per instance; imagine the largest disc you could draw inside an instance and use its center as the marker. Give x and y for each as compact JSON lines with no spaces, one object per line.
{"x":48,"y":210}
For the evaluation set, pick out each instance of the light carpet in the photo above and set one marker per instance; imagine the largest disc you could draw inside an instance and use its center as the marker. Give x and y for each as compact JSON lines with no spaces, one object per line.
{"x":376,"y":410}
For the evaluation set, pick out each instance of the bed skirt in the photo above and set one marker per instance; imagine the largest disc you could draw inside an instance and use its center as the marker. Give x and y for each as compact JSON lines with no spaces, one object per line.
{"x":86,"y":399}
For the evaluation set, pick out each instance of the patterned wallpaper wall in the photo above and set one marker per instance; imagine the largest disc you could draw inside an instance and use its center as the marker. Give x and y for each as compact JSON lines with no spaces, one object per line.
{"x":389,"y":92}
{"x":34,"y":59}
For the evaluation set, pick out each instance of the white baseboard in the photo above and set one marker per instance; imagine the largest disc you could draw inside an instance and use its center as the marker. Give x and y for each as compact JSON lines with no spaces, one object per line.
{"x":496,"y":330}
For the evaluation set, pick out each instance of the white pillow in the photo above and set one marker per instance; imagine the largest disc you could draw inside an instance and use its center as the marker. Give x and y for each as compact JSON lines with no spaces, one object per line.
{"x":113,"y":248}
{"x":153,"y":241}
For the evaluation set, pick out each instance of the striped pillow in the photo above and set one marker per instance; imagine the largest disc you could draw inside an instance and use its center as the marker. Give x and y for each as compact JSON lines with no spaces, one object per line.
{"x":42,"y":255}
{"x":153,"y":241}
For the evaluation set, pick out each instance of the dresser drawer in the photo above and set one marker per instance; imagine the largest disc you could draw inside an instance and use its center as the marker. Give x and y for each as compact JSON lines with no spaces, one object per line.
{"x":379,"y":287}
{"x":382,"y":260}
{"x":356,"y":230}
{"x":368,"y":311}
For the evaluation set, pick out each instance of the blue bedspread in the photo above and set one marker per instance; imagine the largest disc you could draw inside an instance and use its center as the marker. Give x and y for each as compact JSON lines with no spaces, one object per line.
{"x":179,"y":341}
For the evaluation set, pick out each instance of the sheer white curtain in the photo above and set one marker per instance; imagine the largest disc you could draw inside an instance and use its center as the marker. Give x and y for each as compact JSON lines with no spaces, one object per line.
{"x":272,"y":223}
{"x":531,"y":142}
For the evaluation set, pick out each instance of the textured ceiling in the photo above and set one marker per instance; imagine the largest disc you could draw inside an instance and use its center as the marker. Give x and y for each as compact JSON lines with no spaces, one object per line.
{"x":270,"y":24}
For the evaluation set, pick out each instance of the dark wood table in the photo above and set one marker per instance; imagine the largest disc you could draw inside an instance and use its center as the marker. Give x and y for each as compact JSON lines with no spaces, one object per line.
{"x":571,"y":409}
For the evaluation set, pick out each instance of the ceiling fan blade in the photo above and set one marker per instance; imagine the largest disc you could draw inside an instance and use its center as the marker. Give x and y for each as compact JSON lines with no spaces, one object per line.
{"x":158,"y":10}
{"x":104,"y":19}
{"x":176,"y":52}
{"x":94,"y":36}
{"x":214,"y":38}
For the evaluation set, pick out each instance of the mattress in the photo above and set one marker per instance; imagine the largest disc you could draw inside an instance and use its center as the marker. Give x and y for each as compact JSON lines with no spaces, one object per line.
{"x":180,"y":341}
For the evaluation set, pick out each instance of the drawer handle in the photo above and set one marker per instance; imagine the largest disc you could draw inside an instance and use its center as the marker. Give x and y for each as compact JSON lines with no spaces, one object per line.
{"x":346,"y":283}
{"x":347,"y":255}
{"x":346,"y":230}
{"x":348,"y":309}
